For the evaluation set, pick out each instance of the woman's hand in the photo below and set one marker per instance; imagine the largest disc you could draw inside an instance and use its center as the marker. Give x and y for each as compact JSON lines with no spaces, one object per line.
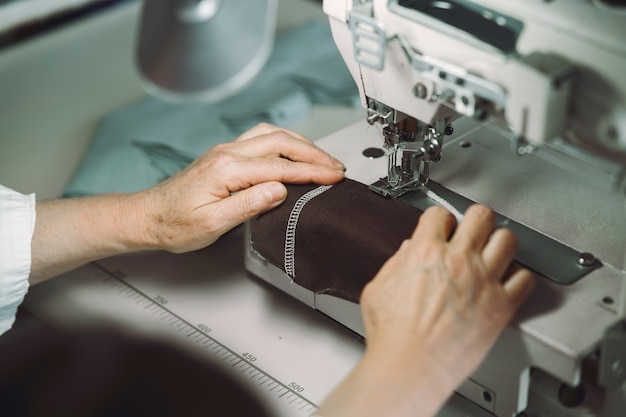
{"x":232,"y":183}
{"x":226,"y":186}
{"x":432,"y":313}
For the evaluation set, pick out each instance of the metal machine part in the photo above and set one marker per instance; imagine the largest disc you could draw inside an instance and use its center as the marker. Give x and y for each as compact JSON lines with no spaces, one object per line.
{"x":418,"y":144}
{"x":540,"y":69}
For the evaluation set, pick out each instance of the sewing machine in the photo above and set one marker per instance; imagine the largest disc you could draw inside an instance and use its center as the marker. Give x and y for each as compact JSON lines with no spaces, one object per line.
{"x":519,"y":105}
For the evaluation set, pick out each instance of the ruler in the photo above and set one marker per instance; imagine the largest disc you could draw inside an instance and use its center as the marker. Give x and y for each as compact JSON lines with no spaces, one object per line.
{"x":199,"y":334}
{"x":288,"y":354}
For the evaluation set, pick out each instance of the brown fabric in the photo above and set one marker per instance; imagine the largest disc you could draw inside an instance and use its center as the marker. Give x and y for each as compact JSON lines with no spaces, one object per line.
{"x":343,"y":236}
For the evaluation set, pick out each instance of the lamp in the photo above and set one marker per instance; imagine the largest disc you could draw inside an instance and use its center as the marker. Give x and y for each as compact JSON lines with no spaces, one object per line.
{"x":203,"y":50}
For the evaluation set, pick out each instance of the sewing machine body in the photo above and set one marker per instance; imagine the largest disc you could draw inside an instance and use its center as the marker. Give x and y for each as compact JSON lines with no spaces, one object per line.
{"x":539,"y":67}
{"x":546,"y":68}
{"x":540,"y":136}
{"x":562,"y":328}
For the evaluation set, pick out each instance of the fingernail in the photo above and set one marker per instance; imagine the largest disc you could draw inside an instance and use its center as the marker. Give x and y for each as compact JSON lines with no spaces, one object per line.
{"x":276,"y":192}
{"x":339,"y":165}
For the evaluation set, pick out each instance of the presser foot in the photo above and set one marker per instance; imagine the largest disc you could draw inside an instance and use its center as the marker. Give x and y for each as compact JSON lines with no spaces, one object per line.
{"x":385,"y":189}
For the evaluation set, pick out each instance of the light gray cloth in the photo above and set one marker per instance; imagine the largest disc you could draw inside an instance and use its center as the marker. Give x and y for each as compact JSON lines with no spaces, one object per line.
{"x":144,"y":143}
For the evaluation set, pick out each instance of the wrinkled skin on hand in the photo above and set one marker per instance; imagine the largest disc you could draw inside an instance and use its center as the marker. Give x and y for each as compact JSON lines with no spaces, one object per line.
{"x":226,"y":186}
{"x":450,"y":292}
{"x":432,"y":313}
{"x":232,"y":183}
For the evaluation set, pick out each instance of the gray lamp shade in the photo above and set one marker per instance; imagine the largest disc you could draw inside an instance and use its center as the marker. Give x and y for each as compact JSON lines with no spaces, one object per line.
{"x":203,"y":50}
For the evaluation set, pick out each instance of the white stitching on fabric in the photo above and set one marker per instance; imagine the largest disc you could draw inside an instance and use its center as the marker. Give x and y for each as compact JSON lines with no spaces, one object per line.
{"x":445,"y":203}
{"x":290,"y":233}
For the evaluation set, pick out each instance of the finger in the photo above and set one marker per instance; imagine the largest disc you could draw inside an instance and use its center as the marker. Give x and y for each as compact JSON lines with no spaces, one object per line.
{"x":499,"y":252}
{"x":266,"y":129}
{"x":278,"y":169}
{"x":518,"y":286}
{"x":435,"y":223}
{"x":249,"y":203}
{"x":475,"y":228}
{"x":281,"y":144}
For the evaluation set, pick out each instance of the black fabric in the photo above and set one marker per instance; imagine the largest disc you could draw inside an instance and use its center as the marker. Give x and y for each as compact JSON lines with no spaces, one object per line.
{"x":343,"y":236}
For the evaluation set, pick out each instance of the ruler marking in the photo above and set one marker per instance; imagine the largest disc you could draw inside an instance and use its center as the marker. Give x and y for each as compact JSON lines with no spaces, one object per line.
{"x":117,"y":282}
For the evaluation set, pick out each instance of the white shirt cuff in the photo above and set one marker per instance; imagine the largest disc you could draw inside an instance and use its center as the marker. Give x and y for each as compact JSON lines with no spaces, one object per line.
{"x":17,"y":223}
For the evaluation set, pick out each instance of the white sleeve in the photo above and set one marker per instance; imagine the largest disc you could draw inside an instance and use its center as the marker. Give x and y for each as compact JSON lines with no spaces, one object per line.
{"x":17,"y":223}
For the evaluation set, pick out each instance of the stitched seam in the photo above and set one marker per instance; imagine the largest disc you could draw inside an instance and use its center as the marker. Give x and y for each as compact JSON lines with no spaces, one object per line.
{"x":290,"y":233}
{"x":445,"y":203}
